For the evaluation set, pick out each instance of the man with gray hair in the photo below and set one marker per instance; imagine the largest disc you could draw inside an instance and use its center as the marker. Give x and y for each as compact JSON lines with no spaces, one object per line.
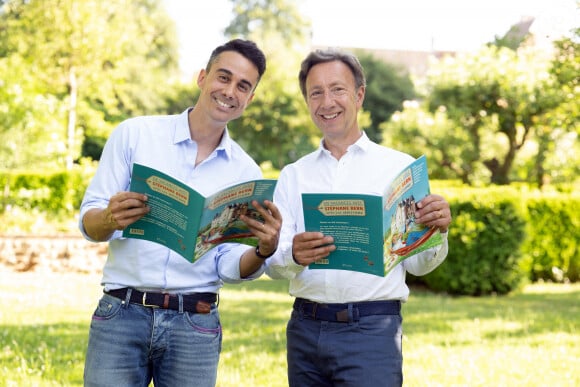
{"x":345,"y":328}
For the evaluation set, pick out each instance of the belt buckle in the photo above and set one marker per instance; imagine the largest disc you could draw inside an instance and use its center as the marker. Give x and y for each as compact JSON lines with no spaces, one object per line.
{"x":144,"y":302}
{"x":303,"y":309}
{"x":342,"y":316}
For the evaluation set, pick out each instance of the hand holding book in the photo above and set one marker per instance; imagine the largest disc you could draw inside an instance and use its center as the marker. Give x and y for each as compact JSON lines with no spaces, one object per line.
{"x":189,"y":223}
{"x":372,"y":234}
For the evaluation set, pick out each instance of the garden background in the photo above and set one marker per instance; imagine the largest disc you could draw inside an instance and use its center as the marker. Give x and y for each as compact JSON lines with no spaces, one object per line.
{"x":499,"y":127}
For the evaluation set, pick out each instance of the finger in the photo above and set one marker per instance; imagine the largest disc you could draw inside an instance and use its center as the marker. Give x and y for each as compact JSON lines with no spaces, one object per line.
{"x":308,"y":256}
{"x":316,"y":246}
{"x":307,"y":236}
{"x":273,"y":209}
{"x":109,"y":218}
{"x":127,"y":200}
{"x":268,"y":211}
{"x":256,"y":227}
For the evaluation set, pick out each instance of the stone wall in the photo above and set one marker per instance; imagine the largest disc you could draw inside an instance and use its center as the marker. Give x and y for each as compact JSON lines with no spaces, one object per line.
{"x":53,"y":253}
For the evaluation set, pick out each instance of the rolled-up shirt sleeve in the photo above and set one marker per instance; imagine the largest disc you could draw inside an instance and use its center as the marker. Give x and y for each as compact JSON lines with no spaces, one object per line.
{"x":228,"y":263}
{"x":428,"y":260}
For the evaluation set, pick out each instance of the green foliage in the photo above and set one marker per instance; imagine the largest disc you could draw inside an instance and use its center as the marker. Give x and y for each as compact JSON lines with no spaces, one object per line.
{"x":42,"y":203}
{"x":32,"y":130}
{"x":263,"y":18}
{"x":73,"y":69}
{"x":558,"y":134}
{"x":447,"y":146}
{"x":485,"y":241}
{"x":388,"y":86}
{"x":566,"y":69}
{"x":551,"y":251}
{"x":502,"y":99}
{"x":276,"y":127}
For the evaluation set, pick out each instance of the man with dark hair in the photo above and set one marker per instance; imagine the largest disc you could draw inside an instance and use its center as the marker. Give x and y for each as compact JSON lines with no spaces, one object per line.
{"x":158,"y":318}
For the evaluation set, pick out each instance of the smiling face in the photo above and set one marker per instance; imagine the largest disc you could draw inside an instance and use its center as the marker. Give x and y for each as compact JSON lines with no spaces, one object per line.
{"x":334,"y":100}
{"x":228,"y":87}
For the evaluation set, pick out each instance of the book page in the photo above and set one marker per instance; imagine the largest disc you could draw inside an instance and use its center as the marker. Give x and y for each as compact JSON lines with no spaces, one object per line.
{"x":355,"y":223}
{"x":175,"y":211}
{"x":220,"y":220}
{"x":403,"y":236}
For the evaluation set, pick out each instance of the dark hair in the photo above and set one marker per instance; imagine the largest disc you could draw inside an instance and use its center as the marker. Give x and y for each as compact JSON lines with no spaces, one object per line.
{"x":247,"y":48}
{"x":330,"y":55}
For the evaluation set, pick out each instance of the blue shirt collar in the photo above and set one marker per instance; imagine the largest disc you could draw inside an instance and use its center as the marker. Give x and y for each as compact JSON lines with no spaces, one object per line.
{"x":182,"y":133}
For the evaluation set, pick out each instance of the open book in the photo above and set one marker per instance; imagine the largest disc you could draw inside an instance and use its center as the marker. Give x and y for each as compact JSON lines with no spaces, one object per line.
{"x":373,"y":234}
{"x":189,"y":223}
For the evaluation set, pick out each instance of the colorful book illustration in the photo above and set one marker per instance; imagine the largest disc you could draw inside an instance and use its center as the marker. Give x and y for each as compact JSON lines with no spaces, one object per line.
{"x":373,"y":233}
{"x":189,"y":223}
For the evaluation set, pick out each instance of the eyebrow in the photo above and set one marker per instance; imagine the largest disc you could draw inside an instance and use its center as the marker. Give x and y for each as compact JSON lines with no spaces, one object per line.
{"x":243,"y":81}
{"x":333,"y":84}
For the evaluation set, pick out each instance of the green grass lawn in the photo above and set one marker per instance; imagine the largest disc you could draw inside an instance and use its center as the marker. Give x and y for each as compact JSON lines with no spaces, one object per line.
{"x":529,"y":338}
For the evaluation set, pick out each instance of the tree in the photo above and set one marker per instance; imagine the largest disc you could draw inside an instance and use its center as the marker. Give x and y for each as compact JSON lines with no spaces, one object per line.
{"x":559,"y":129}
{"x":497,"y":96}
{"x":448,"y":148}
{"x":32,"y":121}
{"x":99,"y":61}
{"x":388,"y":86}
{"x":515,"y":36}
{"x":276,"y":128}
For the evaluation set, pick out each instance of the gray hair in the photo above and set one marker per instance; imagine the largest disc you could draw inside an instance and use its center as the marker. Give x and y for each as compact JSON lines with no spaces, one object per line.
{"x":330,"y":55}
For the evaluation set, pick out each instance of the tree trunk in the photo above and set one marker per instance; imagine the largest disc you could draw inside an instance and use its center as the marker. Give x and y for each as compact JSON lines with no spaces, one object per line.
{"x":72,"y":118}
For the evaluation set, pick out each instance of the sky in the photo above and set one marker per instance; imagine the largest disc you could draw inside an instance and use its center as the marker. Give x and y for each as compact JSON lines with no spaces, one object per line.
{"x":422,"y":25}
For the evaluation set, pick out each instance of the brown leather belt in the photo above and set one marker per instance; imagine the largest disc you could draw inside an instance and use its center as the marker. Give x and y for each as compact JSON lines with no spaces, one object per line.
{"x":193,"y":303}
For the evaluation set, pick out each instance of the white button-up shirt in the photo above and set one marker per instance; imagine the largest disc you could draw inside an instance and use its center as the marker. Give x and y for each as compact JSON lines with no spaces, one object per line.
{"x":367,"y":168}
{"x":164,"y":143}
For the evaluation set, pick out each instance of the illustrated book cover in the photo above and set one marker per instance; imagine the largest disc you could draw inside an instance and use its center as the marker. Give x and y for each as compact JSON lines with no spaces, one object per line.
{"x":187,"y":222}
{"x":373,"y":234}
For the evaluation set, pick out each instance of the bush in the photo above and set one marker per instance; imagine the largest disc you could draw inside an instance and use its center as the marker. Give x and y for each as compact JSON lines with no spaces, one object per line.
{"x":54,"y":195}
{"x":484,"y":254}
{"x":500,"y":236}
{"x":551,"y":250}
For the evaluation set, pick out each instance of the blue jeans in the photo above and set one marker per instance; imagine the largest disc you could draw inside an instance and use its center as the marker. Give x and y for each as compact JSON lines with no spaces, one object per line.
{"x":130,"y":345}
{"x":362,"y":353}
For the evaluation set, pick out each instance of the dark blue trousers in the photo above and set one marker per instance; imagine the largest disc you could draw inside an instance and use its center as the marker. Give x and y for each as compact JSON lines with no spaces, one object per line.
{"x":364,"y":351}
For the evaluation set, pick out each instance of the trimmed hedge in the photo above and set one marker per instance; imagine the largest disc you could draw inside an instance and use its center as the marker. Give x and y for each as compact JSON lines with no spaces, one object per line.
{"x":551,"y":249}
{"x":42,"y":203}
{"x":500,"y":236}
{"x":484,"y":248}
{"x":50,"y":192}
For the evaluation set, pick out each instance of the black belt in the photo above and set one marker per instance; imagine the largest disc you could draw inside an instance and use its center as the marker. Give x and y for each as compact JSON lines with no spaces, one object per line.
{"x":193,"y":303}
{"x":340,"y":312}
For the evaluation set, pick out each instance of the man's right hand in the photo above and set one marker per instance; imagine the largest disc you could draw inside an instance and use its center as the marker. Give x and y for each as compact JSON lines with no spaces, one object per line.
{"x":124,"y":209}
{"x":308,"y":247}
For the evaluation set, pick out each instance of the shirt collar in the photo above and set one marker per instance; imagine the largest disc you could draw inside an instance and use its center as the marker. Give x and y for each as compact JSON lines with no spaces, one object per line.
{"x":182,"y":128}
{"x":361,"y":144}
{"x":225,"y":146}
{"x":182,"y":134}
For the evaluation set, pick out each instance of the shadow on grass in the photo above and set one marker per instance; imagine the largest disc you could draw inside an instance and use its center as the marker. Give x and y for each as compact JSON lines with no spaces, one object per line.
{"x":259,"y":308}
{"x":513,"y":316}
{"x":254,"y":316}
